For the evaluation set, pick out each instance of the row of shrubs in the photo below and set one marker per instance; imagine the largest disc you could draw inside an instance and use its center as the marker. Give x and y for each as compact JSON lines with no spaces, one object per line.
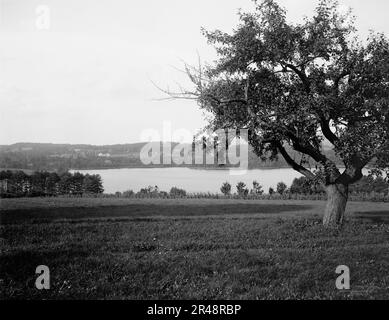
{"x":19,"y":184}
{"x":301,"y":189}
{"x":368,"y":197}
{"x":152,"y":192}
{"x":367,"y":185}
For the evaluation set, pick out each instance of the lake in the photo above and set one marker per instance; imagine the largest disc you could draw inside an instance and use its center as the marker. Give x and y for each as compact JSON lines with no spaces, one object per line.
{"x":191,"y":180}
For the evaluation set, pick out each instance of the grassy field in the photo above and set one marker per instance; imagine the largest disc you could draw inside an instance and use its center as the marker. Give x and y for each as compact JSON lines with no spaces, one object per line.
{"x":190,"y":249}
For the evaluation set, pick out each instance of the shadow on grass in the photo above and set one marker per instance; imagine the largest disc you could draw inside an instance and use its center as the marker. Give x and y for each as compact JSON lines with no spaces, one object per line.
{"x":143,"y":210}
{"x":20,"y":266}
{"x":377,"y":217}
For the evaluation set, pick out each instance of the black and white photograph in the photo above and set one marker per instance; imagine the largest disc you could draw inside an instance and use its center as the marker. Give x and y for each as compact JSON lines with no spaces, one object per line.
{"x":213,"y":151}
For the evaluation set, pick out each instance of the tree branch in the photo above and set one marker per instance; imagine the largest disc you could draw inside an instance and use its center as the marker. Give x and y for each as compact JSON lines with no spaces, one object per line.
{"x":304,"y":171}
{"x":353,"y":172}
{"x":307,"y":149}
{"x":325,"y":128}
{"x":301,"y":75}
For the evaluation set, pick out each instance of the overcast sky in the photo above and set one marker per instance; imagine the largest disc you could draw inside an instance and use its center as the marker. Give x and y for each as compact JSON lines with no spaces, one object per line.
{"x":88,"y":78}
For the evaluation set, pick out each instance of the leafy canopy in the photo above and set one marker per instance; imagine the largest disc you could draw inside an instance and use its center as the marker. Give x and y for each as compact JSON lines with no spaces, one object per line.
{"x":301,"y":85}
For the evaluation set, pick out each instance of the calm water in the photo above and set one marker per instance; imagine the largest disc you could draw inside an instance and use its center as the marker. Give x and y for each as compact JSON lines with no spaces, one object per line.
{"x":191,"y":180}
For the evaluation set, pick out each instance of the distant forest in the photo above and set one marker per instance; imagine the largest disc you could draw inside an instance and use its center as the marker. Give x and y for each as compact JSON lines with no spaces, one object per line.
{"x":62,"y":157}
{"x":19,"y":184}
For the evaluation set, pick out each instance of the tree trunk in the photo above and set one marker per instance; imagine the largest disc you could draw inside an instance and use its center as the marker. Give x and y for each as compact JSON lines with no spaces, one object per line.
{"x":336,"y":205}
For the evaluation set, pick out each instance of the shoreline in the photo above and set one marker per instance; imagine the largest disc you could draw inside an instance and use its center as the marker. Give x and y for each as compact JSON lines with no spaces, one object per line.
{"x":163,"y":167}
{"x":183,"y":167}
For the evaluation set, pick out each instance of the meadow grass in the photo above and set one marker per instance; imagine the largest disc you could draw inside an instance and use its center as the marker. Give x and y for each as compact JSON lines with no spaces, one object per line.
{"x":190,"y":249}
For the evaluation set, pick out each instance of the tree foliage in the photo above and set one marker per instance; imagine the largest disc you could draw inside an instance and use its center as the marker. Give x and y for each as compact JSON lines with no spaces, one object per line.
{"x":43,"y":183}
{"x":302,"y":85}
{"x":241,"y":189}
{"x":303,"y":185}
{"x":226,"y":188}
{"x":281,"y":188}
{"x":177,"y":192}
{"x":257,"y":188}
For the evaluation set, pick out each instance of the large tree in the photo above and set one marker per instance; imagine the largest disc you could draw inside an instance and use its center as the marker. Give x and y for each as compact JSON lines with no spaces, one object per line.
{"x":306,"y":86}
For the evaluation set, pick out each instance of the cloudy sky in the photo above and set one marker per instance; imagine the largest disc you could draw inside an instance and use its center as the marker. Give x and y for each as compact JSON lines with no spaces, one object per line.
{"x":88,"y":78}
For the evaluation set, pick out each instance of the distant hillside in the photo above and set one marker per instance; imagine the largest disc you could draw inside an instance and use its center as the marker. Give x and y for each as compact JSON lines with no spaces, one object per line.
{"x":61,"y":157}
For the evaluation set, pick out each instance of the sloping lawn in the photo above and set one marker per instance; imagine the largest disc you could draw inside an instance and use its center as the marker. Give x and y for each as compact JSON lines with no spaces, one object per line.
{"x":190,"y":249}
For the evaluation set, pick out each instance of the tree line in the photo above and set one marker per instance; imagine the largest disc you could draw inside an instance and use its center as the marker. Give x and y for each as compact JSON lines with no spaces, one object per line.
{"x":305,"y":186}
{"x":369,"y":188}
{"x":43,"y":183}
{"x":61,"y":158}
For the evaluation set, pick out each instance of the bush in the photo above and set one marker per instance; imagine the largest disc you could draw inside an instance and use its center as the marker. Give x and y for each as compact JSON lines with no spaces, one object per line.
{"x":281,"y":188}
{"x":304,"y":185}
{"x":369,"y":184}
{"x":128,"y":194}
{"x":176,"y":192}
{"x":148,"y":192}
{"x":271,"y":191}
{"x":163,"y":194}
{"x":257,"y":189}
{"x":242,"y":190}
{"x":226,"y":189}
